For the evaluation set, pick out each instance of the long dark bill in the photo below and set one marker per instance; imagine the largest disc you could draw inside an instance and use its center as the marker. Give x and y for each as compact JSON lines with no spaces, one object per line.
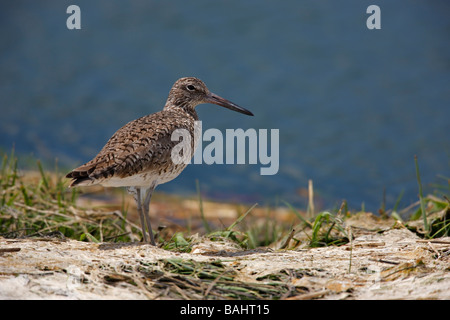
{"x":215,"y":99}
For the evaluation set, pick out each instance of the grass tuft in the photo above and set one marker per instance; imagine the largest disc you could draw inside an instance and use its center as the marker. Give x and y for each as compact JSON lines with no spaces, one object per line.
{"x":43,"y":206}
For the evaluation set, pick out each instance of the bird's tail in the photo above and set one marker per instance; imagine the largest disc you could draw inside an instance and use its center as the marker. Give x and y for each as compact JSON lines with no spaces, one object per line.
{"x":81,"y":176}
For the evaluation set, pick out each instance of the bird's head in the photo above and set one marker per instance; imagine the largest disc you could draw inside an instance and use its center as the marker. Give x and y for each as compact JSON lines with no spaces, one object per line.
{"x":189,"y":92}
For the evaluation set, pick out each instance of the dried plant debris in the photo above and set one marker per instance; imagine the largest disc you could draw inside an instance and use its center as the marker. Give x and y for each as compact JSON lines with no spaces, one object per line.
{"x":399,"y":266}
{"x":53,"y":247}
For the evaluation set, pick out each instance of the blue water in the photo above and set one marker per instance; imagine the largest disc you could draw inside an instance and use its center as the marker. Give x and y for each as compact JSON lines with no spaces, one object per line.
{"x":353,"y":105}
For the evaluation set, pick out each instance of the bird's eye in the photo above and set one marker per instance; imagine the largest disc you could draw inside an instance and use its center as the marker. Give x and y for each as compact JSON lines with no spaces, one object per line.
{"x":190,"y":87}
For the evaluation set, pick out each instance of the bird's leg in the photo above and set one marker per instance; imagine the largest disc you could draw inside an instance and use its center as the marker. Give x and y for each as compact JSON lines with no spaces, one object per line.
{"x":146,"y":210}
{"x":137,"y":197}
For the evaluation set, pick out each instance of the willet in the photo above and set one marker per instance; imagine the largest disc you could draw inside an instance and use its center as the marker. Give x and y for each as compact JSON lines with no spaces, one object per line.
{"x":138,"y":155}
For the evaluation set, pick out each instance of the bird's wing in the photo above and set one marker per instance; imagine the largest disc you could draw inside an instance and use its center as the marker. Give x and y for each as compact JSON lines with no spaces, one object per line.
{"x":141,"y":145}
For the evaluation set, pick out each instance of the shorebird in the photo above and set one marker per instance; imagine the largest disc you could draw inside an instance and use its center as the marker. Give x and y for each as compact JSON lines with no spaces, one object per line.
{"x":138,"y":155}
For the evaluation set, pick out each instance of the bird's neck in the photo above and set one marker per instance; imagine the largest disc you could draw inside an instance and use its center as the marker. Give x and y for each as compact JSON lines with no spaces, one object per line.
{"x":181,"y":108}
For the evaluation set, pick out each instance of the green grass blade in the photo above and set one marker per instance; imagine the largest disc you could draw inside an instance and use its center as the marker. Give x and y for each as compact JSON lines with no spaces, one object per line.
{"x":202,"y":214}
{"x":298,"y":214}
{"x":422,"y":202}
{"x":43,"y":177}
{"x":241,"y":218}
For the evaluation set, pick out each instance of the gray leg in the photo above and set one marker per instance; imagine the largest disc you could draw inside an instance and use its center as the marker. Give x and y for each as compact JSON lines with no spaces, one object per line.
{"x":141,"y":213}
{"x":146,"y":209}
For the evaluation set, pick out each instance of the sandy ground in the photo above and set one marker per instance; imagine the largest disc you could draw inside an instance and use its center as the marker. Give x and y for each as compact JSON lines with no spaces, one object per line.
{"x":392,"y":263}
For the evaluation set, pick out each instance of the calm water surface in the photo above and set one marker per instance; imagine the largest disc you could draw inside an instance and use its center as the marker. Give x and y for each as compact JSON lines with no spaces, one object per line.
{"x":353,"y":105}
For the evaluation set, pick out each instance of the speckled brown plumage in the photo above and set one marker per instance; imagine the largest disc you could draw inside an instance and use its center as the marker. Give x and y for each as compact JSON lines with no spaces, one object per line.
{"x":141,"y":146}
{"x":138,"y":155}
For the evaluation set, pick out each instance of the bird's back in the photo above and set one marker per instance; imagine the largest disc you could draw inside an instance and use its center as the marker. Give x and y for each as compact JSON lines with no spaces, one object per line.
{"x":138,"y":153}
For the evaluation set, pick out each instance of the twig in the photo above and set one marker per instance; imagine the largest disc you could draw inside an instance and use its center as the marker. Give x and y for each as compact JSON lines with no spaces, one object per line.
{"x":369,"y":244}
{"x":434,"y":241}
{"x":400,"y":270}
{"x":289,"y":238}
{"x":435,"y":251}
{"x":143,"y":287}
{"x":384,"y":261}
{"x":213,"y":283}
{"x":116,"y":236}
{"x":3,"y":250}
